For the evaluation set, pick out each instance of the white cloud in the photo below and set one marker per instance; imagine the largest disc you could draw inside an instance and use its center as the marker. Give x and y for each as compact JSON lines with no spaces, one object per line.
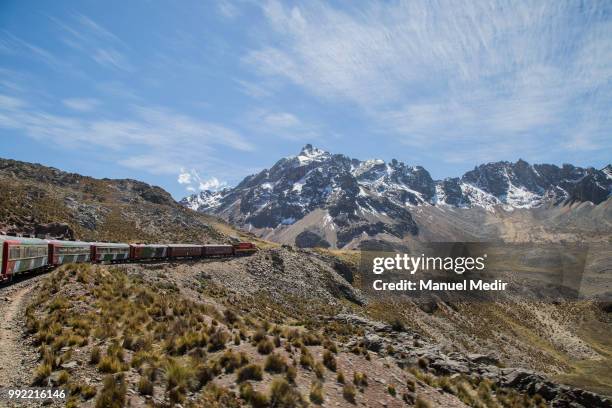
{"x":96,"y":28}
{"x":11,"y":44}
{"x":88,"y":36}
{"x":227,"y":8}
{"x":193,"y":182}
{"x":281,"y":120}
{"x":163,"y":140}
{"x":254,"y":90}
{"x":111,"y":58}
{"x":282,"y":124}
{"x":434,"y":73}
{"x":212,"y":183}
{"x":81,"y":104}
{"x":184,"y":177}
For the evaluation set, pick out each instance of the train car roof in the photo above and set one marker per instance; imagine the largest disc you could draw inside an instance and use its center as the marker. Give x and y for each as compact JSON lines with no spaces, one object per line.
{"x":217,"y":245}
{"x":184,"y":245}
{"x":23,"y":240}
{"x":67,"y":243}
{"x":110,"y":244}
{"x":150,"y":245}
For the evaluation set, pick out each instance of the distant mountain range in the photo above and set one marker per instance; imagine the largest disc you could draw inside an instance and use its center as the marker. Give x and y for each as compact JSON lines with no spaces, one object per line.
{"x":333,"y":196}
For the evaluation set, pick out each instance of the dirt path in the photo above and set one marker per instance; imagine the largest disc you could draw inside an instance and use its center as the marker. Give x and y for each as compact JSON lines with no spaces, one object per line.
{"x":12,"y":350}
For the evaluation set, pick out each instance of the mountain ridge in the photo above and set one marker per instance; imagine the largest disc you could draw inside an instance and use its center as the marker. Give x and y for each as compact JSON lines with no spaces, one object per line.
{"x":374,"y":197}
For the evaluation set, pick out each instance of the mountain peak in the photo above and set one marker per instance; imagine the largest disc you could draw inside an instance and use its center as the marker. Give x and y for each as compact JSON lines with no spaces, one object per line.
{"x":310,"y":150}
{"x":310,"y":153}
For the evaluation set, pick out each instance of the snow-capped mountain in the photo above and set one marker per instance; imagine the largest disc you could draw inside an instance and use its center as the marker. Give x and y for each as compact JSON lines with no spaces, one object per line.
{"x":346,"y":199}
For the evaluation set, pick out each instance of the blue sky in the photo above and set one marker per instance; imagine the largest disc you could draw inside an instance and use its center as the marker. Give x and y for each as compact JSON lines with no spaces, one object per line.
{"x":199,"y":94}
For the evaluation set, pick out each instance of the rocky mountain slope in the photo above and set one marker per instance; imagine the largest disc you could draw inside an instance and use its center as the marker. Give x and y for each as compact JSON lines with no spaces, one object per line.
{"x":41,"y":200}
{"x":321,"y":199}
{"x":293,"y":325}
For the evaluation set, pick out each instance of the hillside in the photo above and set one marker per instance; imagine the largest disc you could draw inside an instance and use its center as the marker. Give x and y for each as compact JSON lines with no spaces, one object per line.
{"x":330,"y":200}
{"x":42,"y":200}
{"x":162,"y":333}
{"x":289,"y":326}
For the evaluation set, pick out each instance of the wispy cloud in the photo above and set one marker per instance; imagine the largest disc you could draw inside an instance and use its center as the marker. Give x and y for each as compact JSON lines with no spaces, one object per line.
{"x":81,"y":104}
{"x":111,"y":58}
{"x":11,"y":44}
{"x":285,"y":125}
{"x":88,"y":36}
{"x":252,"y":89}
{"x":152,"y":139}
{"x":427,"y":73}
{"x":227,"y":9}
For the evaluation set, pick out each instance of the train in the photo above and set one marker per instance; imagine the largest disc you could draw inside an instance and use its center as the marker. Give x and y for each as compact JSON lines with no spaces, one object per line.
{"x":21,"y":255}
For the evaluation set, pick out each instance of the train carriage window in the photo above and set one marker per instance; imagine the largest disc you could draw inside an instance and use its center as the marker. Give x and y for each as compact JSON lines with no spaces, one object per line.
{"x":14,"y":253}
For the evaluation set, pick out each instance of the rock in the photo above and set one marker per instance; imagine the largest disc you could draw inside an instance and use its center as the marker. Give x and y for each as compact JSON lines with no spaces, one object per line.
{"x":362,"y":321}
{"x":448,"y":366}
{"x":373,"y":342}
{"x":483,"y":359}
{"x":54,"y":378}
{"x":69,"y":365}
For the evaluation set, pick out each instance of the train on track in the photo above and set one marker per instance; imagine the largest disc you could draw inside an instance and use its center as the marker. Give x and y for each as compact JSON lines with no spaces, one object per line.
{"x":20,"y":255}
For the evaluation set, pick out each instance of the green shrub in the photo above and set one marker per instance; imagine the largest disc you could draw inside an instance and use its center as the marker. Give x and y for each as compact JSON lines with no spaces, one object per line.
{"x":145,"y":386}
{"x":63,"y":377}
{"x":113,"y":393}
{"x":110,"y":365}
{"x":360,"y":379}
{"x":275,"y":363}
{"x":283,"y":395}
{"x":256,"y":399}
{"x":291,"y":374}
{"x":94,"y":355}
{"x":422,"y":403}
{"x":422,"y":363}
{"x":217,"y":340}
{"x":349,"y":392}
{"x":231,"y":361}
{"x":316,"y":392}
{"x":177,"y":374}
{"x":250,"y":372}
{"x":329,"y":360}
{"x":306,"y":359}
{"x":319,"y":370}
{"x":410,"y":384}
{"x":265,"y":346}
{"x":42,"y":372}
{"x":258,"y":336}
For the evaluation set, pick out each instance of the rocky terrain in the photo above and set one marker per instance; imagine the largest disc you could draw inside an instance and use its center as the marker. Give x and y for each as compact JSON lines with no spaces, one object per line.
{"x":43,"y":201}
{"x":321,"y":199}
{"x":290,"y":328}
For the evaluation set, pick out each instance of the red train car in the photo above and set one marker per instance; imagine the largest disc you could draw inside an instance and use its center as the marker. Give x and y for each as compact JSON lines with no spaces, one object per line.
{"x":184,"y":251}
{"x":148,"y":251}
{"x":63,"y":252}
{"x":217,"y":250}
{"x":20,"y":255}
{"x":244,"y":248}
